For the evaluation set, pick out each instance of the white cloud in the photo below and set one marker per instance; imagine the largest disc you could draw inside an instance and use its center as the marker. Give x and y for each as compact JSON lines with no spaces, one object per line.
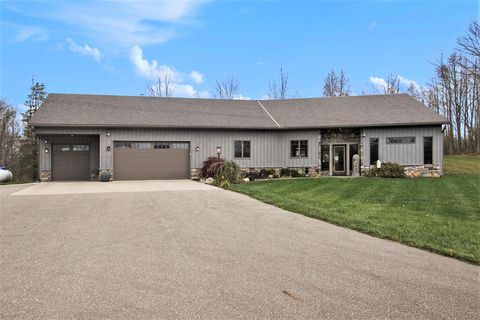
{"x":372,"y":24}
{"x":407,"y":82}
{"x":152,"y":70}
{"x":241,"y":97}
{"x":379,"y":83}
{"x":85,"y":50}
{"x":186,"y":90}
{"x":120,"y":23}
{"x":20,"y":33}
{"x":196,"y":76}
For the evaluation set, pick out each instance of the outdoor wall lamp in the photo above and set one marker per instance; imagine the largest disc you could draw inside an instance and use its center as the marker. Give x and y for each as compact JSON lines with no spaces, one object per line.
{"x":108,"y":133}
{"x":46,"y":150}
{"x":219,"y":151}
{"x":45,"y":142}
{"x":108,"y":148}
{"x":197,"y":148}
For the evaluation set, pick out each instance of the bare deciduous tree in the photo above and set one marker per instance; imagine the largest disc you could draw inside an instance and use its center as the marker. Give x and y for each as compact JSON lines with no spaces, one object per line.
{"x":392,"y":84}
{"x":228,"y":88}
{"x":336,"y":85}
{"x":9,"y":136}
{"x":280,"y":89}
{"x":163,"y":87}
{"x":470,"y":43}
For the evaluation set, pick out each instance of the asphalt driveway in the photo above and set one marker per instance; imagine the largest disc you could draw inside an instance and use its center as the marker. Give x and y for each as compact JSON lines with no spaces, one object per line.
{"x":191,"y":252}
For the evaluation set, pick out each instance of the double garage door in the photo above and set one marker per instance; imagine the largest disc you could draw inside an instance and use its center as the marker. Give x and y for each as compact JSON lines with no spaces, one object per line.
{"x":151,"y":160}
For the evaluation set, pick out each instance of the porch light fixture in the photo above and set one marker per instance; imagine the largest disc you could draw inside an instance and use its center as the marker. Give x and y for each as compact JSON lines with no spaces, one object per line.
{"x":108,"y":148}
{"x":108,"y":133}
{"x":46,"y":150}
{"x":45,"y":142}
{"x":197,"y":148}
{"x":219,"y":151}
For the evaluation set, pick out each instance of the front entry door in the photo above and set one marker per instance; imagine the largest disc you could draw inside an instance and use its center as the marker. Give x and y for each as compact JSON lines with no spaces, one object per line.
{"x":339,"y":167}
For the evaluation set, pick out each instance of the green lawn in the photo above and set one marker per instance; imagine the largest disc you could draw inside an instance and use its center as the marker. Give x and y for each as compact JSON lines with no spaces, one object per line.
{"x":437,"y":214}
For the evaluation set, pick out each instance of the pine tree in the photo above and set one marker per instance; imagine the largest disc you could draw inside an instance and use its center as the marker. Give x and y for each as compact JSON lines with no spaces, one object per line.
{"x":29,"y":146}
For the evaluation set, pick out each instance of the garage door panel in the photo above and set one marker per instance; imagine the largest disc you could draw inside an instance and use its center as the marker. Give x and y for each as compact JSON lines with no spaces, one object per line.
{"x":68,"y":165}
{"x":151,"y":160}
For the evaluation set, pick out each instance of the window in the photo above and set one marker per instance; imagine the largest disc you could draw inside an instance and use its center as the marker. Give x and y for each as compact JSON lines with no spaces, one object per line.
{"x":161,"y":145}
{"x":373,"y":150}
{"x":80,"y":147}
{"x":180,"y":146}
{"x":61,"y":147}
{"x":141,"y":145}
{"x":123,"y":145}
{"x":400,"y":140}
{"x":299,"y":148}
{"x":325,"y":165}
{"x":428,"y":150}
{"x":242,"y":149}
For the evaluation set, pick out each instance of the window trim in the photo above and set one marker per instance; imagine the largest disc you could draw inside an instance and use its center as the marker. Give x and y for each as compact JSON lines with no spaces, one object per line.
{"x":299,"y":148}
{"x":242,"y":148}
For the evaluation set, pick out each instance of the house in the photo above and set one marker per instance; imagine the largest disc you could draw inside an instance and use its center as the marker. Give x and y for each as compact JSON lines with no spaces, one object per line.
{"x":81,"y":136}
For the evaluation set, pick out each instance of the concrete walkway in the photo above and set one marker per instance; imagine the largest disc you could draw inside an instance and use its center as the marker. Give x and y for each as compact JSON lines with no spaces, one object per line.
{"x":52,"y":188}
{"x":207,"y":254}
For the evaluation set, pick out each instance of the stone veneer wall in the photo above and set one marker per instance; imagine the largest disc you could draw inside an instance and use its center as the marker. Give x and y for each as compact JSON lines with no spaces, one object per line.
{"x":105,"y":171}
{"x":426,"y":171}
{"x":45,"y":175}
{"x":312,"y":171}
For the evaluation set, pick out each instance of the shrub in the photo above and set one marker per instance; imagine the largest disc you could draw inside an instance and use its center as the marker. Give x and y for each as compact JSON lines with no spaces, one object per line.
{"x":206,"y":165}
{"x":290,"y":172}
{"x":228,"y":171}
{"x":294,"y":173}
{"x":265,"y":172}
{"x":285,"y":172}
{"x":387,"y":170}
{"x":214,"y":167}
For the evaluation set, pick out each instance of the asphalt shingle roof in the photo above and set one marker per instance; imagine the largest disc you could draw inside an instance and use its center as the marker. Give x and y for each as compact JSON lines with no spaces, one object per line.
{"x":81,"y":110}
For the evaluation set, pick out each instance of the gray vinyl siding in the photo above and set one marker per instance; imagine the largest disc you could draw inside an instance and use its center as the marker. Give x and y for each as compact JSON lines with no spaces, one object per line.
{"x":268,"y":148}
{"x":45,"y":159}
{"x":404,"y":154}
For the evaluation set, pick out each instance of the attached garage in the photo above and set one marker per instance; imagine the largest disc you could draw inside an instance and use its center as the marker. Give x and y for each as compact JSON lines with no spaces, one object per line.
{"x":151,"y":160}
{"x":70,"y":162}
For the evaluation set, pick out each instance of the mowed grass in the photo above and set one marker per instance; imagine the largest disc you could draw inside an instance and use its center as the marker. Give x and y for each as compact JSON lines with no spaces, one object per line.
{"x":438,"y":214}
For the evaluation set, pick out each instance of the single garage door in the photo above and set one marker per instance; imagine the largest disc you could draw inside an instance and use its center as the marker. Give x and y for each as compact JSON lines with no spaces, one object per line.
{"x":70,"y":162}
{"x":151,"y":160}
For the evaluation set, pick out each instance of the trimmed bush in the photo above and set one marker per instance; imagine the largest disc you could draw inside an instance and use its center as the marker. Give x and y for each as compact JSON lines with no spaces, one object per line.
{"x":265,"y":172}
{"x":228,"y":171}
{"x":206,"y":166}
{"x":285,"y":172}
{"x":388,"y":170}
{"x":290,"y":172}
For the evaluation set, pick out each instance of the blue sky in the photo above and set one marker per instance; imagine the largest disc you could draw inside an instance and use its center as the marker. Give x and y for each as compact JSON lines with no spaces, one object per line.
{"x":110,"y":47}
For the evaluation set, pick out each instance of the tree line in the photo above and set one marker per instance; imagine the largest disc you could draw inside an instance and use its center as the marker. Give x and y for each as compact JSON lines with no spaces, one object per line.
{"x":453,"y":91}
{"x":19,"y":146}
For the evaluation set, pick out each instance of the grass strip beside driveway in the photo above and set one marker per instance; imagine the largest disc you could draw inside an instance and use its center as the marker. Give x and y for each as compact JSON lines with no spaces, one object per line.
{"x":440,"y":215}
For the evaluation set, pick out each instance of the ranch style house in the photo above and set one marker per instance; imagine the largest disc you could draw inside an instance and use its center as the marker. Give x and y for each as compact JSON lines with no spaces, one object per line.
{"x":83,"y":137}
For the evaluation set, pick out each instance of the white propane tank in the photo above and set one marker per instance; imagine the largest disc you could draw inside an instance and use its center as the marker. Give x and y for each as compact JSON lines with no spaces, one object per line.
{"x":379,"y":164}
{"x":5,"y":175}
